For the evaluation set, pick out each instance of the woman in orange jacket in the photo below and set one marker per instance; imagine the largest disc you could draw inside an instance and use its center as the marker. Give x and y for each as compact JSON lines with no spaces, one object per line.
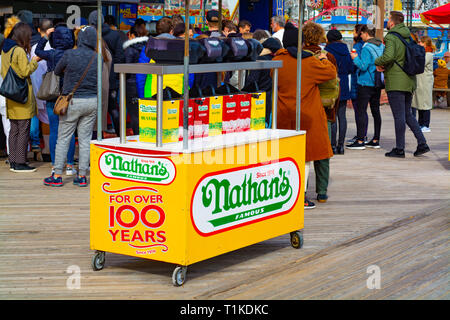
{"x":313,"y":117}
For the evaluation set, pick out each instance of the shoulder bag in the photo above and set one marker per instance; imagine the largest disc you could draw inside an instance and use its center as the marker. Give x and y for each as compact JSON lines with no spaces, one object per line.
{"x":49,"y":89}
{"x":62,"y":103}
{"x":14,"y":87}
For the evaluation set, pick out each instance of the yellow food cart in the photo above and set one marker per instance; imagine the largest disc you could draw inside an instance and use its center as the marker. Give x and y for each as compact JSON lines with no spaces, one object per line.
{"x":187,"y":201}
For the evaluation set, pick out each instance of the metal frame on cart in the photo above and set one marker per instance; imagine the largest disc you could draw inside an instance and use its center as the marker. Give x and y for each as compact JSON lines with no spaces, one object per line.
{"x":162,"y":69}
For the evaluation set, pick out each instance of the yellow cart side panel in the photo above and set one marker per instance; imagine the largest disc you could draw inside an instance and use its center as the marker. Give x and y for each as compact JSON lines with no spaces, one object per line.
{"x":258,"y":196}
{"x":138,"y":204}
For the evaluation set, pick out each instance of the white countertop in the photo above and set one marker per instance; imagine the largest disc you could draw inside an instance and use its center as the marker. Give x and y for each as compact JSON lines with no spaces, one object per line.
{"x":205,"y":144}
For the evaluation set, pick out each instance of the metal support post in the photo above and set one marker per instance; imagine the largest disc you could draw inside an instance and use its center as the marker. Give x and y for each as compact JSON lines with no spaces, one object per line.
{"x":274,"y":97}
{"x":99,"y":72}
{"x":299,"y":66}
{"x":159,"y":110}
{"x":123,"y":108}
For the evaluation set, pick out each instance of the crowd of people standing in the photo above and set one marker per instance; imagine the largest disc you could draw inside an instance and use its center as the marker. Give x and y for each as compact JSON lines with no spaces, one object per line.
{"x":360,"y":74}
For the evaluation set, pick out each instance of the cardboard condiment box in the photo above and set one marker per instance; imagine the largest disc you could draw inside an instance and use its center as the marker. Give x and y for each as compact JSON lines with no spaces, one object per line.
{"x":244,"y":114}
{"x":190,"y":121}
{"x":230,"y":113}
{"x":215,"y":115}
{"x":201,"y":117}
{"x":147,"y":120}
{"x":258,"y":112}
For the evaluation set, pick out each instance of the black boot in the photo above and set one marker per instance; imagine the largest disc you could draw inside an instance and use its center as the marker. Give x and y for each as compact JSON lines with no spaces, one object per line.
{"x":340,"y":149}
{"x":396,"y":153}
{"x":421,"y":149}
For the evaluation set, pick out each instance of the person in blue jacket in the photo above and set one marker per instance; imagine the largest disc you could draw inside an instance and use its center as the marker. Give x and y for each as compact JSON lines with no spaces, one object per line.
{"x":61,"y":39}
{"x":367,"y":89}
{"x":357,"y":46}
{"x":340,"y":51}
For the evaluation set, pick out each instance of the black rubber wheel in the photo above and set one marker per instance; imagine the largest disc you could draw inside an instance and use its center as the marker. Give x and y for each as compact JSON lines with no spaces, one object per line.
{"x":297,"y":239}
{"x":179,"y":276}
{"x":98,"y":260}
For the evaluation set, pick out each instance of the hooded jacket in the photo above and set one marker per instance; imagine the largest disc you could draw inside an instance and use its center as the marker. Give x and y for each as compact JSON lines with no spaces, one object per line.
{"x":394,"y":77}
{"x":61,"y":40}
{"x":74,"y":62}
{"x":16,"y":57}
{"x":365,"y":62}
{"x":345,"y":66}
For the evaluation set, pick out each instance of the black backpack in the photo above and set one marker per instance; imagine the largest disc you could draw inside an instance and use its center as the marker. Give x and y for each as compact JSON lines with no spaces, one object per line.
{"x":414,"y":56}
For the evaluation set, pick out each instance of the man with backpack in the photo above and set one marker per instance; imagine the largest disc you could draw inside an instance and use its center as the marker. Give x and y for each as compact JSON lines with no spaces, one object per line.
{"x":400,"y":61}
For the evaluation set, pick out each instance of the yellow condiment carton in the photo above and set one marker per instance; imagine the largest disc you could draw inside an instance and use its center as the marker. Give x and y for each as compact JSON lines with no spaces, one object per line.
{"x":147,"y":120}
{"x":215,"y":115}
{"x":258,"y":112}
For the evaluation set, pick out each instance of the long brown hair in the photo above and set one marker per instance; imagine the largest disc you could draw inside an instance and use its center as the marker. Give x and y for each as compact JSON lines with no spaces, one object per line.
{"x":429,"y":46}
{"x":21,"y":33}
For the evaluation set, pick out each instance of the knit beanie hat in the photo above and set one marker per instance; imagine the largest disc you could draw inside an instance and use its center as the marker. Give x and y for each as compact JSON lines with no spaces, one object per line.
{"x":334,"y":35}
{"x":290,"y":37}
{"x":273,"y":44}
{"x":26,"y":16}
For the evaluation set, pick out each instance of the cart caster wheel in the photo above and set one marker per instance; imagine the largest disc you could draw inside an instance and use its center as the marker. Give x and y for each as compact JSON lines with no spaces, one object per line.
{"x":179,"y":276}
{"x":98,"y":260}
{"x":297,"y":239}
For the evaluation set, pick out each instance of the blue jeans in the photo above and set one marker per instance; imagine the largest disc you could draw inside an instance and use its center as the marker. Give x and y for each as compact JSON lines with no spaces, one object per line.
{"x":53,"y":124}
{"x":34,"y":132}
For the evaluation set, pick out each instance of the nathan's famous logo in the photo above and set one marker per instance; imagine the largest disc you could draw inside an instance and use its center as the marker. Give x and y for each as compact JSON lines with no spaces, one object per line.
{"x":137,"y":219}
{"x":245,"y":195}
{"x":137,"y":168}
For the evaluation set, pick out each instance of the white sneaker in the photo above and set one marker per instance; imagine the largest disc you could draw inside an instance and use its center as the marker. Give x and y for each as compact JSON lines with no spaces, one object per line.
{"x":70,"y":171}
{"x":426,"y":129}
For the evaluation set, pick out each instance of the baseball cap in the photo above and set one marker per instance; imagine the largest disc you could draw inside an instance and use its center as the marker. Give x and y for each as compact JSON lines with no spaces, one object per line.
{"x":212,"y":15}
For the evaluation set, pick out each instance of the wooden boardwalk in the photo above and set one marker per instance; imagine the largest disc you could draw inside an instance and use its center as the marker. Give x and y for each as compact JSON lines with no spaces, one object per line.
{"x":392,"y":213}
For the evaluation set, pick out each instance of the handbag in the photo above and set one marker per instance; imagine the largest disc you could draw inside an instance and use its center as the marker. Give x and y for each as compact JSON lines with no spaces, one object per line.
{"x":62,"y":103}
{"x":49,"y":89}
{"x":14,"y":87}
